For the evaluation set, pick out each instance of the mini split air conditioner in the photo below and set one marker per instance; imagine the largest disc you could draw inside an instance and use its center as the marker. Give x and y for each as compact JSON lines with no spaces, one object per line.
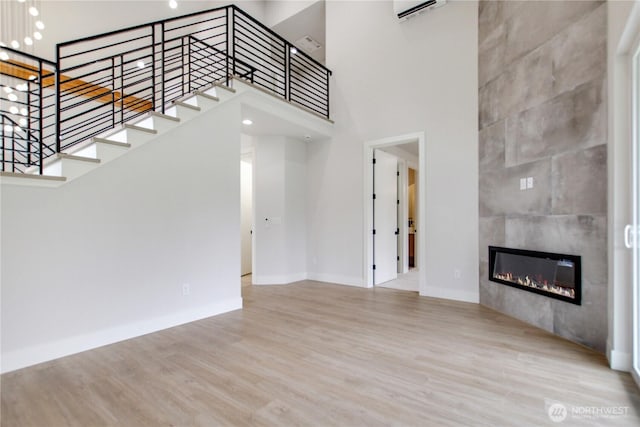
{"x":405,"y":9}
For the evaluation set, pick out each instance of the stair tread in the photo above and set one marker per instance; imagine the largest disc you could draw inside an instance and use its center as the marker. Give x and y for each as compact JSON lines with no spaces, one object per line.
{"x":140,"y":128}
{"x":33,"y":176}
{"x":164,"y":116}
{"x":206,"y":95}
{"x":108,"y":141}
{"x":78,"y":158}
{"x":185,"y":105}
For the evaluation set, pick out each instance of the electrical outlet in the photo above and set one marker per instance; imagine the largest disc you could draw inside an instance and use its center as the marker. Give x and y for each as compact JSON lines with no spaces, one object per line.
{"x":523,"y":183}
{"x":186,"y":289}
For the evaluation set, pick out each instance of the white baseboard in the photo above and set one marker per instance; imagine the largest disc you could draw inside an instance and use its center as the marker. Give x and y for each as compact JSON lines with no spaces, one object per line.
{"x":53,"y":350}
{"x":618,"y":360}
{"x":259,"y":279}
{"x":337,"y":279}
{"x":451,"y":294}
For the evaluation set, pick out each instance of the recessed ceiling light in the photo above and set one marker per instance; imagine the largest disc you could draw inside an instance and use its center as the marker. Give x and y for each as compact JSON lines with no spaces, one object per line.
{"x":293,"y":50}
{"x":33,"y":11}
{"x":28,"y":41}
{"x":40,"y":25}
{"x":37,"y":35}
{"x":12,"y":97}
{"x":173,"y":4}
{"x":247,"y":122}
{"x":15,"y":44}
{"x":13,"y":109}
{"x":7,"y":89}
{"x":4,"y":56}
{"x":140,"y":64}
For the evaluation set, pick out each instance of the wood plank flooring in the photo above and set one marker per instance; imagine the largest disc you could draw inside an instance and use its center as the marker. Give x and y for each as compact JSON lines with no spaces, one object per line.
{"x":324,"y":355}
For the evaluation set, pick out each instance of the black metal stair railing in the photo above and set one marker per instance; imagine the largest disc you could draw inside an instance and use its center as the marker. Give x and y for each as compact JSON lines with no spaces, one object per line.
{"x":27,"y":111}
{"x":102,"y":81}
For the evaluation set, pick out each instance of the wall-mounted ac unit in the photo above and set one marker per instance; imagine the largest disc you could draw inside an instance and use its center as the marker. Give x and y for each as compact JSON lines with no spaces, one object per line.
{"x":405,"y":9}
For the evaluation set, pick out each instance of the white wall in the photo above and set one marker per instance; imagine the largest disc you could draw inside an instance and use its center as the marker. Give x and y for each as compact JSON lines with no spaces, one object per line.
{"x":622,"y":25}
{"x":104,"y":257}
{"x":390,"y":79}
{"x":280,"y":210}
{"x":276,"y":11}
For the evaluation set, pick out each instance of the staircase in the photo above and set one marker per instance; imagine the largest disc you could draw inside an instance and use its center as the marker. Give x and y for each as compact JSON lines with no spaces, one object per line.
{"x":83,"y":158}
{"x":111,"y":93}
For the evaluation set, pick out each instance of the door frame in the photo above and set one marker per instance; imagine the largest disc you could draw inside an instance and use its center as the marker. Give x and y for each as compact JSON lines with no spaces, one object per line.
{"x":367,"y":230}
{"x":620,"y":340}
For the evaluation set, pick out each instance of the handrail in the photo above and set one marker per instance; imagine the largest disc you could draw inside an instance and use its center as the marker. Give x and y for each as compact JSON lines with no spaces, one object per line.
{"x":104,"y":80}
{"x":278,"y":36}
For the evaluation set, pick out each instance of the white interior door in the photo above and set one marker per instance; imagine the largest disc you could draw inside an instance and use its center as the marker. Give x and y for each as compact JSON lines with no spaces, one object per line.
{"x":385,"y":217}
{"x":246,"y":217}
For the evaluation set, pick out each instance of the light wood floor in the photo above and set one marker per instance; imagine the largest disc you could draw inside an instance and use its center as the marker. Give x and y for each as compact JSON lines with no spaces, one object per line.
{"x":321,"y":355}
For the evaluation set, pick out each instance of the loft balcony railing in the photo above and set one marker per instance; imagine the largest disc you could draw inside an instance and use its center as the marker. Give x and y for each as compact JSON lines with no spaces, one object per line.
{"x":100,"y":82}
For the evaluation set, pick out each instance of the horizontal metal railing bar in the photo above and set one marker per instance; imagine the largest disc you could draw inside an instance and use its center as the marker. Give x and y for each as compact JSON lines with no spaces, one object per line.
{"x":84,"y":52}
{"x":247,"y":19}
{"x":315,"y":72}
{"x":261,"y":62}
{"x":303,"y":57}
{"x":305,"y":73}
{"x":250,"y":39}
{"x":309,"y":72}
{"x":29,"y":56}
{"x":136,"y":27}
{"x":304,"y":92}
{"x":221,"y":52}
{"x":192,"y":24}
{"x":308,"y":85}
{"x":306,"y":100}
{"x":72,"y":132}
{"x":298,"y":78}
{"x":240,"y":12}
{"x":260,"y":49}
{"x":84,"y":113}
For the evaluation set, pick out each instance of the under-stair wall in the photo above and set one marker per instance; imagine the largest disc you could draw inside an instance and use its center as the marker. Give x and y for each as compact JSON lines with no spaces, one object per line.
{"x":144,"y":242}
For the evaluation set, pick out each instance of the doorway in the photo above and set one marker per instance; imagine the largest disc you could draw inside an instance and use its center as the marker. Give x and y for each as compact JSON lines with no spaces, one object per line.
{"x":386,"y":253}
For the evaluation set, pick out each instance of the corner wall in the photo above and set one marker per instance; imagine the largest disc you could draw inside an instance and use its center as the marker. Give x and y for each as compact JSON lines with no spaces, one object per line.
{"x":543,"y":114}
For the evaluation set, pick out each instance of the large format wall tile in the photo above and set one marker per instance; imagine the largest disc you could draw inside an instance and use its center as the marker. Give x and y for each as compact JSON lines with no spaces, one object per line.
{"x":500,"y":194}
{"x":579,"y":182}
{"x":491,"y":147}
{"x":583,"y":235}
{"x":587,"y":323}
{"x":580,"y":52}
{"x":532,"y":23}
{"x":491,"y":234}
{"x":576,"y":119}
{"x":491,"y":108}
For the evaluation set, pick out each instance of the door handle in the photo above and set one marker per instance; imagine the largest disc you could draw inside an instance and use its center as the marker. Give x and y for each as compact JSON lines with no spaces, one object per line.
{"x":627,"y":236}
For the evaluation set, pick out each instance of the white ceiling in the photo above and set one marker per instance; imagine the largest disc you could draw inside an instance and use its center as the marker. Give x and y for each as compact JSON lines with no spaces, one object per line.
{"x":266,"y":124}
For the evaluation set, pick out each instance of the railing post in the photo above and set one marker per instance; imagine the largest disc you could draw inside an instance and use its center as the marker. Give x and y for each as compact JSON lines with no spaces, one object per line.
{"x":121,"y":89}
{"x":153,"y":68}
{"x":113,"y":92}
{"x":328,"y":85}
{"x":227,"y":28}
{"x":58,"y":101}
{"x":230,"y":69}
{"x":162,"y":66}
{"x":287,"y":71}
{"x":28,"y":130}
{"x":40,"y":127}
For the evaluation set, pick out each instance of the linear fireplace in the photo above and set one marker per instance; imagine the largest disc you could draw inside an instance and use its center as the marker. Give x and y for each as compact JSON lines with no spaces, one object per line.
{"x":554,"y":275}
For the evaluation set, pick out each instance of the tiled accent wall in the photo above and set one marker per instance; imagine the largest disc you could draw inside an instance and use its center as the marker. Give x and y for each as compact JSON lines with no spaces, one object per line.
{"x":543,"y":114}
